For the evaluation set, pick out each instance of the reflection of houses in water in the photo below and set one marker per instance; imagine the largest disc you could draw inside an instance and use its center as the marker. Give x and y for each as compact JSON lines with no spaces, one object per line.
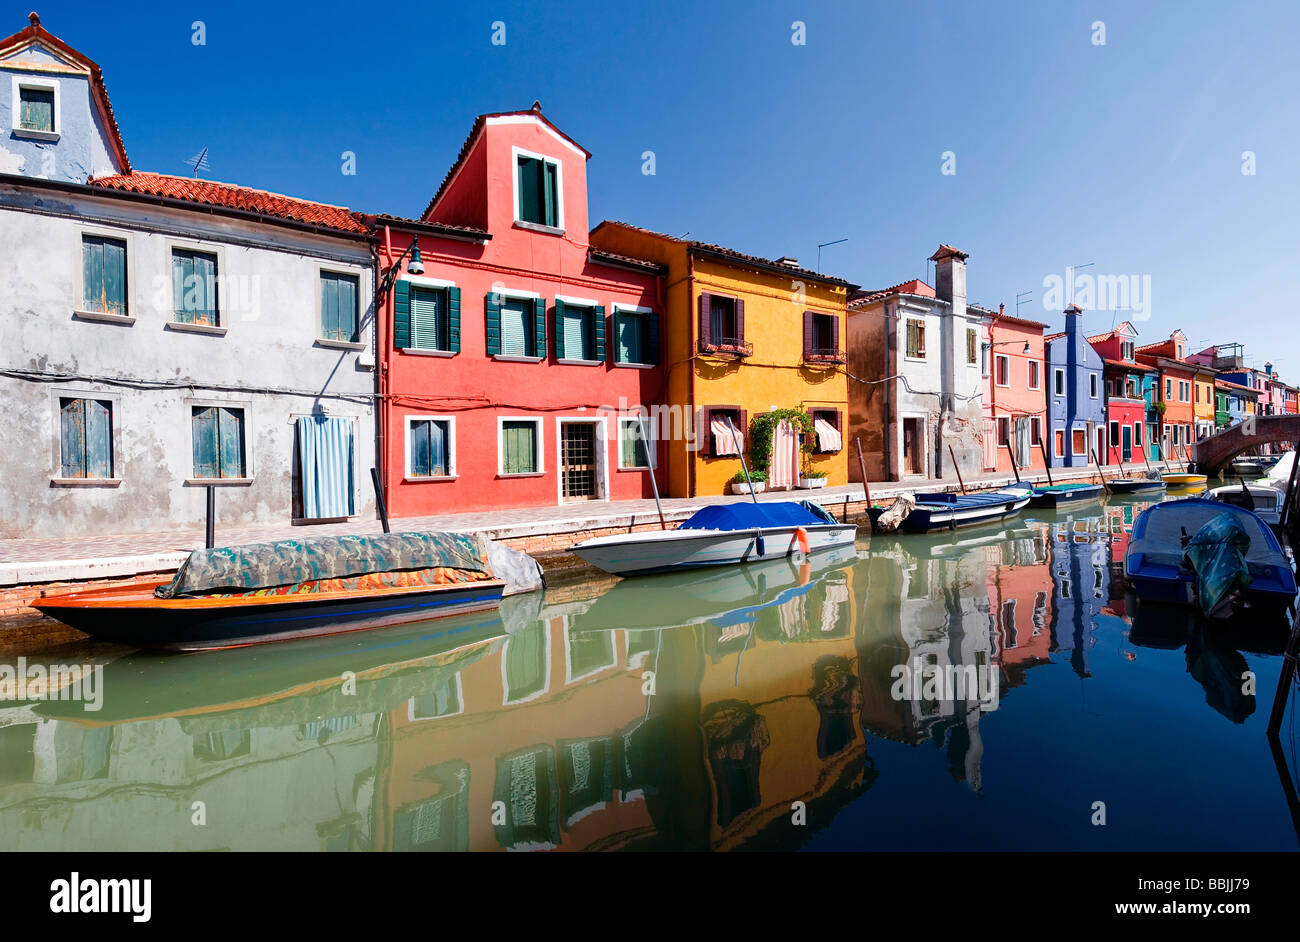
{"x":1080,"y":552}
{"x":1119,"y":525}
{"x":1020,"y":591}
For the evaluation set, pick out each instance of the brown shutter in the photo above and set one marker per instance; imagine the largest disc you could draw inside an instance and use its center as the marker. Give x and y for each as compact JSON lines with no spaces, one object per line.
{"x":808,"y":339}
{"x":744,"y":425}
{"x":706,"y":448}
{"x":839,"y":425}
{"x":835,"y":333}
{"x":740,"y":320}
{"x":706,"y":321}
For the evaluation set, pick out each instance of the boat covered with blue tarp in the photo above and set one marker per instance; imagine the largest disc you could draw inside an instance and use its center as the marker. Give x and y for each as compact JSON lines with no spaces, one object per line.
{"x":946,"y":511}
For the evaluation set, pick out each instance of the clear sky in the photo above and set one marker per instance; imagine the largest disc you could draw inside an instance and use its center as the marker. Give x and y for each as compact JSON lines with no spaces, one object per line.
{"x":1127,"y":155}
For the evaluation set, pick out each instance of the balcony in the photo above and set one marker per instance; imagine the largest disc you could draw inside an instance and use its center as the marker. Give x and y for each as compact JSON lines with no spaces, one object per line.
{"x":818,"y":355}
{"x":726,"y":347}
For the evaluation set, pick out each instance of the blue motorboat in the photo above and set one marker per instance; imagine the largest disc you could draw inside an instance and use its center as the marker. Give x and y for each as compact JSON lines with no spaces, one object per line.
{"x":1202,"y":552}
{"x":944,"y":511}
{"x":1059,"y":495}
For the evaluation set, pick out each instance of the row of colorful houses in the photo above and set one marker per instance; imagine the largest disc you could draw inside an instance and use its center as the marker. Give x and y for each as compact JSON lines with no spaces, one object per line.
{"x":165,"y":334}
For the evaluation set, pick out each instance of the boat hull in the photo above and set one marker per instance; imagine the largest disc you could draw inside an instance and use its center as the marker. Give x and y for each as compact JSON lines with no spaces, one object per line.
{"x":668,"y":550}
{"x":1132,"y":486}
{"x":930,"y":517}
{"x":1184,"y":480}
{"x":206,"y":623}
{"x":1082,"y":494}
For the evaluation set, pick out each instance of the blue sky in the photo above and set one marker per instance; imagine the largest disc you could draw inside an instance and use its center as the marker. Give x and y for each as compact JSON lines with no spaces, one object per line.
{"x":1127,"y":155}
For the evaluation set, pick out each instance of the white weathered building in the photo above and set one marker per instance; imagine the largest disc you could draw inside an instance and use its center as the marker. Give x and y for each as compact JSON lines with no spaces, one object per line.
{"x":159,"y":334}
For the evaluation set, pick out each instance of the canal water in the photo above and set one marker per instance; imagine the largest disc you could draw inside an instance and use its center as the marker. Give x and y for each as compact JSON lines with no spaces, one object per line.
{"x":766,"y":708}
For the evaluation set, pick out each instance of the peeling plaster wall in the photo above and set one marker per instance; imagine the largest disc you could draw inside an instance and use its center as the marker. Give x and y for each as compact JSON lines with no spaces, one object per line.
{"x":82,"y":149}
{"x":269,"y":301}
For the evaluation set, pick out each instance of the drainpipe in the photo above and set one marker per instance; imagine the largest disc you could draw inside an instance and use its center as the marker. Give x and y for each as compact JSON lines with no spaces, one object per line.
{"x":691,"y":327}
{"x":890,"y":327}
{"x":382,"y":363}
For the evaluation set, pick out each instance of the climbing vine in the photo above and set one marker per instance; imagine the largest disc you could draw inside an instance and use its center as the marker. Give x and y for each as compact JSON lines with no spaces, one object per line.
{"x":762,"y":427}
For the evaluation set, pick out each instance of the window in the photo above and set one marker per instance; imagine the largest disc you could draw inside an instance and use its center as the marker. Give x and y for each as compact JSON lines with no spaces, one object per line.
{"x":1198,"y":392}
{"x":1126,"y":350}
{"x":1058,"y":380}
{"x":972,"y":344}
{"x":1169,"y":388}
{"x":218,"y":433}
{"x":1001,"y":370}
{"x":519,"y":446}
{"x":1092,"y":385}
{"x":632,"y":449}
{"x":723,"y":325}
{"x":1078,"y":441}
{"x":1034,"y":381}
{"x":538,"y":191}
{"x":1177,"y":433}
{"x":430,"y":448}
{"x":828,"y":437}
{"x":1059,"y":443}
{"x":1036,"y":431}
{"x":915,"y":338}
{"x":1114,"y":433}
{"x":103,"y":268}
{"x":1137,"y":434}
{"x":36,"y":108}
{"x":717,"y":439}
{"x":86,"y":431}
{"x":579,"y":331}
{"x":518,"y":327}
{"x":1004,"y":431}
{"x":821,"y":336}
{"x":430,"y":327}
{"x":194,"y":287}
{"x":338,"y":306}
{"x":636,"y":336}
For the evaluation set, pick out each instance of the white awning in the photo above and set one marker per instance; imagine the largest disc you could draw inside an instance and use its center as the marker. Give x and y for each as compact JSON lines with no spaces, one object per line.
{"x":828,"y":437}
{"x":724,"y":443}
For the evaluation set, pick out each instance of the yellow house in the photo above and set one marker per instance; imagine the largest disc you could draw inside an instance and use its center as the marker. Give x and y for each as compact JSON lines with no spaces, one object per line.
{"x":1203,"y":400}
{"x":741,"y":336}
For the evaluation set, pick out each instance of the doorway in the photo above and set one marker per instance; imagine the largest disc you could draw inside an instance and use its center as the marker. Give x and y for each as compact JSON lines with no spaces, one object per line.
{"x":1126,"y":443}
{"x":913,"y":446}
{"x":578,"y":461}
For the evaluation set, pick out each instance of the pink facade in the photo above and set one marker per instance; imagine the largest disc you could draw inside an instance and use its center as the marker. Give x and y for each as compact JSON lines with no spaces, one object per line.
{"x":1014,"y":391}
{"x":503,"y":414}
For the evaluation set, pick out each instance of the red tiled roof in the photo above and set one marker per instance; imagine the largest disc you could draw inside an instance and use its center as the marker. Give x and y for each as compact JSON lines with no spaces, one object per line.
{"x":947,"y":251}
{"x":1128,"y":365}
{"x":1230,"y":385}
{"x":732,"y":254}
{"x":36,"y":32}
{"x":401,"y":222}
{"x":465,"y":148}
{"x":229,"y":196}
{"x":1021,"y":321}
{"x":915,"y":286}
{"x":1059,"y":333}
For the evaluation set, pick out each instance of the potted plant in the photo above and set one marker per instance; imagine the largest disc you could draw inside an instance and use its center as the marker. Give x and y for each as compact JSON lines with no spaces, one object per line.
{"x":759,"y":479}
{"x":812,"y":478}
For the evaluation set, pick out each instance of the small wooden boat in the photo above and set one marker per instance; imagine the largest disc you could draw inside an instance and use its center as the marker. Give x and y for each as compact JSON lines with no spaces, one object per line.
{"x":1181,"y":479}
{"x":1176,"y":559}
{"x":721,"y":535}
{"x":1060,"y":495}
{"x":239,"y":595}
{"x":945,"y":511}
{"x":1123,"y":486}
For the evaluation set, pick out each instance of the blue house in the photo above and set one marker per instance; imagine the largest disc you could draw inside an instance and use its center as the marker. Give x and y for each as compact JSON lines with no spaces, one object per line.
{"x":1076,"y":398}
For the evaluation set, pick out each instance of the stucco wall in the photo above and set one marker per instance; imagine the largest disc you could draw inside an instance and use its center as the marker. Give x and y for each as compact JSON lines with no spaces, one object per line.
{"x":269,"y":360}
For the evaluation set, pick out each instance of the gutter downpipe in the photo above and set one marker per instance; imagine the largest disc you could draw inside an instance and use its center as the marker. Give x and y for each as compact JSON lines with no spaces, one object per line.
{"x":890,"y":327}
{"x":691,"y":326}
{"x":381,"y":342}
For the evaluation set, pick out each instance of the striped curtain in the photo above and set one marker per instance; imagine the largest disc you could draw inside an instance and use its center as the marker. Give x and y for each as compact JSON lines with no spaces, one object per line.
{"x":785,"y":456}
{"x":325,"y":453}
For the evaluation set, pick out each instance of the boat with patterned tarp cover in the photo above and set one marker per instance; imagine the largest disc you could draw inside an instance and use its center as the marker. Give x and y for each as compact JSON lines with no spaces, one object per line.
{"x":239,"y":595}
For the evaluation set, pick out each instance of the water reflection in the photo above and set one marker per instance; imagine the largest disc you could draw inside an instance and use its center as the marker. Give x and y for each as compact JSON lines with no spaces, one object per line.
{"x":744,"y":709}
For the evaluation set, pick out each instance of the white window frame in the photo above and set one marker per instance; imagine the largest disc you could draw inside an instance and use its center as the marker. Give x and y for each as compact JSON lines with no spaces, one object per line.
{"x":30,"y":81}
{"x":170,"y":246}
{"x":610,"y":339}
{"x":1094,"y":386}
{"x":517,"y":152}
{"x":114,"y":399}
{"x":591,"y":305}
{"x":1001,"y":357}
{"x":452,"y":471}
{"x":538,"y":442}
{"x":652,"y":443}
{"x":362,"y":341}
{"x":249,"y":437}
{"x":125,"y":236}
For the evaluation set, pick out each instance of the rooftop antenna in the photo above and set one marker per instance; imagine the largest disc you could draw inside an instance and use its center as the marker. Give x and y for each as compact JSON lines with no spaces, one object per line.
{"x":822,"y":245}
{"x":1027,"y":296}
{"x":199,"y":161}
{"x":1072,"y":269}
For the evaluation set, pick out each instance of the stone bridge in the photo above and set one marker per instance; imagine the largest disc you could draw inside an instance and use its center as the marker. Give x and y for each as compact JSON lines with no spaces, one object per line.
{"x":1213,"y":454}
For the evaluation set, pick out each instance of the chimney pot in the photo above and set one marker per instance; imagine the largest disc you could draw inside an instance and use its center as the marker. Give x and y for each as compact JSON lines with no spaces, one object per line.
{"x":788,"y":262}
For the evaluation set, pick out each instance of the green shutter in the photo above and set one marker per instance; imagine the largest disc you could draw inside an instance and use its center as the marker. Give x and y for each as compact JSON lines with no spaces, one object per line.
{"x":99,"y":439}
{"x":114,"y":276}
{"x":651,"y":352}
{"x":539,"y":326}
{"x":529,"y":190}
{"x":231,"y":429}
{"x":92,"y":273}
{"x":329,"y":307}
{"x":518,"y":447}
{"x":348,"y":308}
{"x":550,"y":207}
{"x":559,"y":329}
{"x":402,"y":315}
{"x":206,"y":447}
{"x":182,"y":272}
{"x":599,"y":314}
{"x":492,"y":306}
{"x":453,"y":320}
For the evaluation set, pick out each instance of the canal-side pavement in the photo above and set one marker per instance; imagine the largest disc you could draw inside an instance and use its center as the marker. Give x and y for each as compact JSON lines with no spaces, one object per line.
{"x":540,"y":531}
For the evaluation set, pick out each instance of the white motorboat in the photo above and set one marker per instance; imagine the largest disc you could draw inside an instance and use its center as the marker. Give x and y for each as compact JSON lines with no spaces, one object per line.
{"x":721,"y":535}
{"x":1264,"y":496}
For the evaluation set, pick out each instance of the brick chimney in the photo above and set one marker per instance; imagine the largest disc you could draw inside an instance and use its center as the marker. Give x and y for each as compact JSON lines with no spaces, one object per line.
{"x":950,"y":277}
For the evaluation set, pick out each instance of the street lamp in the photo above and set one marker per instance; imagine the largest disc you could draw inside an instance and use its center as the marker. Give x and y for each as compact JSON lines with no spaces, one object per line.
{"x":414,"y":267}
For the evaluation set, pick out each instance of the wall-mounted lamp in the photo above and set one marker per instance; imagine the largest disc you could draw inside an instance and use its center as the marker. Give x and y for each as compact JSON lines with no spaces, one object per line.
{"x":414,"y":267}
{"x":1001,"y":343}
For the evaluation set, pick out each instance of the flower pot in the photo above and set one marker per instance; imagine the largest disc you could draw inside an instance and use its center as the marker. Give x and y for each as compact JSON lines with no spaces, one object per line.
{"x":742,"y":488}
{"x":811,"y":483}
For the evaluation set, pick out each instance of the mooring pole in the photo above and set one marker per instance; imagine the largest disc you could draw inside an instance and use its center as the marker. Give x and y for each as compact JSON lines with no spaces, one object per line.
{"x":1101,"y":477}
{"x":379,"y":499}
{"x":1012,"y":455}
{"x":1047,"y":463}
{"x":645,"y":443}
{"x":211,"y":535}
{"x":1284,"y":681}
{"x":960,"y":483}
{"x":866,"y":488}
{"x":735,"y":439}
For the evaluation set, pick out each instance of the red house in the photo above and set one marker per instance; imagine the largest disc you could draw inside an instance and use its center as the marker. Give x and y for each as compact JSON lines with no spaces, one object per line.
{"x":1125,"y":404}
{"x":514,"y":357}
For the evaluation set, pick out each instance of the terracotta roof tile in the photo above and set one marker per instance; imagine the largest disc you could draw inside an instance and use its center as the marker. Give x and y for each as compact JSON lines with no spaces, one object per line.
{"x":1022,"y":321}
{"x":915,"y":286}
{"x":230,"y":196}
{"x":1129,"y":365}
{"x":1059,"y":333}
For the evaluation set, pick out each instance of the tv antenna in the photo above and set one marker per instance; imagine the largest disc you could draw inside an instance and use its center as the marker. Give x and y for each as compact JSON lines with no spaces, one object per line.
{"x":1024,"y":297}
{"x":199,"y":161}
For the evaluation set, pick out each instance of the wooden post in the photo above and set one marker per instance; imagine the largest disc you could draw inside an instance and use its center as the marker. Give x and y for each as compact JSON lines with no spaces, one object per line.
{"x":1101,"y":477}
{"x":957,"y":469}
{"x":379,"y":498}
{"x":866,"y":488}
{"x":650,"y":459}
{"x":1012,"y":455}
{"x":211,"y":530}
{"x":1047,"y":462}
